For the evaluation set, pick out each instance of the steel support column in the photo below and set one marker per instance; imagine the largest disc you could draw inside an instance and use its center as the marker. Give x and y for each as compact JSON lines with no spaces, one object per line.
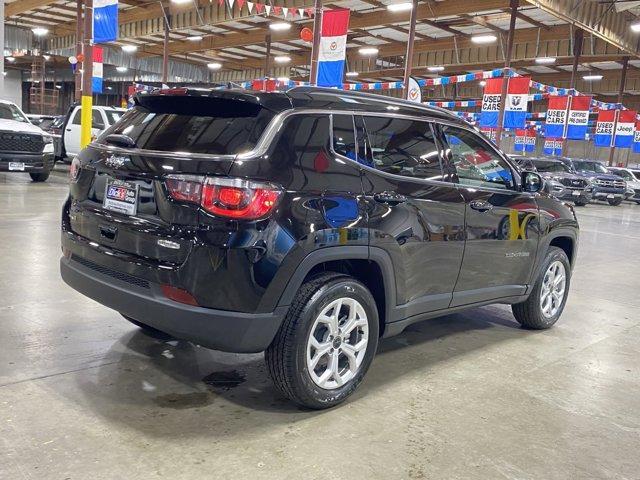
{"x":623,"y":81}
{"x":267,"y":59}
{"x":408,"y":58}
{"x":315,"y":49}
{"x":507,"y":64}
{"x":77,"y":75}
{"x":87,"y":74}
{"x":165,"y":51}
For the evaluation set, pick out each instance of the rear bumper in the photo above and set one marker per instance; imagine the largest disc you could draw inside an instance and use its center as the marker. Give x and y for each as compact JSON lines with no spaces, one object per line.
{"x":604,"y":193}
{"x":32,"y":162}
{"x":144,"y":302}
{"x":582,"y":197}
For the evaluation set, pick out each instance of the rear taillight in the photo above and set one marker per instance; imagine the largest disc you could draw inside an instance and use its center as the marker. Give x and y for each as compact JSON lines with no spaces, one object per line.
{"x":178,"y":295}
{"x":225,"y":197}
{"x":74,"y":169}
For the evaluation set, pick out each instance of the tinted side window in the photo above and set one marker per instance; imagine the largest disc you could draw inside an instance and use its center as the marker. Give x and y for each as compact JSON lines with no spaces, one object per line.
{"x":475,"y":162}
{"x":96,"y":119}
{"x":344,"y":140}
{"x":76,"y":117}
{"x":403,"y":147}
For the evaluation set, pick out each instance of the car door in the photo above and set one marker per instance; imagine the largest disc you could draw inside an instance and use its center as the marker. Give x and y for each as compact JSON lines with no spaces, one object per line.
{"x":414,"y":214}
{"x":73,"y":132}
{"x":502,"y":222}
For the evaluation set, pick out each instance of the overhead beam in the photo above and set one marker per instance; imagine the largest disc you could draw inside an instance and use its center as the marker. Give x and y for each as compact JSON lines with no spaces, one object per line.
{"x":22,"y":6}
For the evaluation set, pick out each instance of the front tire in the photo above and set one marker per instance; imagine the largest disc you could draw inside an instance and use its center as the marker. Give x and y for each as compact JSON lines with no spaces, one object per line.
{"x":547,"y":300}
{"x":580,"y":204}
{"x":614,"y":202}
{"x":326,"y":342}
{"x":39,"y":177}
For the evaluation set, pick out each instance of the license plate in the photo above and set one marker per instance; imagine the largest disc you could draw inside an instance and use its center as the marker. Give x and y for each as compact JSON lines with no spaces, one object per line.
{"x":575,"y":193}
{"x":16,"y":167}
{"x":611,"y":195}
{"x":121,"y":196}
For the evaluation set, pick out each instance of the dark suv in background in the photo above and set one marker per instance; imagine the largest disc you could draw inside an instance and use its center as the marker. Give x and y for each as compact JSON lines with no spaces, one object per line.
{"x":308,"y":224}
{"x":559,"y":180}
{"x":606,"y":186}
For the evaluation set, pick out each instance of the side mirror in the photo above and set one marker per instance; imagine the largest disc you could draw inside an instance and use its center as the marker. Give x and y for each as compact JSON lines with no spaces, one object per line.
{"x":532,"y":182}
{"x":120,"y":140}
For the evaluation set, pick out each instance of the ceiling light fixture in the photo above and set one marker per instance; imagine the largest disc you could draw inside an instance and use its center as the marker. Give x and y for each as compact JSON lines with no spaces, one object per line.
{"x":282,"y":59}
{"x":40,"y":31}
{"x":129,"y":48}
{"x":46,"y":57}
{"x":435,"y":68}
{"x":592,"y":78}
{"x":280,"y":26}
{"x":368,"y":51}
{"x":400,"y":7}
{"x":181,"y":2}
{"x":635,"y":27}
{"x":214,"y":66}
{"x":10,"y":59}
{"x":284,"y":79}
{"x":545,"y":60}
{"x":351,"y":74}
{"x":122,"y":69}
{"x":195,"y":38}
{"x":484,"y":38}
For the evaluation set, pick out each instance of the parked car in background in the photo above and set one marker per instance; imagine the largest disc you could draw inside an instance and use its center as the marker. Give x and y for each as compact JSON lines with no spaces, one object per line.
{"x":632,"y":179}
{"x":24,"y":147}
{"x":606,"y":186}
{"x":42,"y":121}
{"x":307,"y":223}
{"x":102,"y":118}
{"x":559,"y":179}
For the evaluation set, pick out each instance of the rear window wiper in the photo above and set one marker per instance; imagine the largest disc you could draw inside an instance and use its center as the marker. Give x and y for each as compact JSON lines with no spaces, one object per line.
{"x":120,"y":140}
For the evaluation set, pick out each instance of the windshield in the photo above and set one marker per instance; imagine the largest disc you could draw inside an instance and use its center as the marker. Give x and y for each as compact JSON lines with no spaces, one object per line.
{"x":585,"y":166}
{"x":113,"y":116}
{"x":12,"y":112}
{"x":552,"y":167}
{"x":624,"y":174}
{"x":191,"y":124}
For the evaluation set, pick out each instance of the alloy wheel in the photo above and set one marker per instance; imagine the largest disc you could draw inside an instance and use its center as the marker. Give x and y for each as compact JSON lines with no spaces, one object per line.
{"x":553,"y":289}
{"x":337,"y":343}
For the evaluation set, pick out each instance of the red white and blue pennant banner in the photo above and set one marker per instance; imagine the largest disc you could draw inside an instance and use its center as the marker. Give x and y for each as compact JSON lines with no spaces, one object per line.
{"x":333,"y":47}
{"x":263,"y":8}
{"x":625,"y":127}
{"x":96,"y":79}
{"x":552,"y":146}
{"x":615,"y":128}
{"x":525,"y":140}
{"x":515,"y":111}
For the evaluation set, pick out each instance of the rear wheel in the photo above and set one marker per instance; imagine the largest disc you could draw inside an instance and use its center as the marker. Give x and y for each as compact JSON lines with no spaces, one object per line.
{"x":326,"y":342}
{"x":39,"y":177}
{"x":580,"y":204}
{"x":547,"y":300}
{"x":614,"y":202}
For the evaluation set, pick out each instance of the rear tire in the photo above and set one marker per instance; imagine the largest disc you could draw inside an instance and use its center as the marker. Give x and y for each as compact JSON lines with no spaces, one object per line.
{"x":39,"y":177}
{"x":580,"y":204}
{"x":326,"y":342}
{"x":614,"y":202}
{"x":547,"y":300}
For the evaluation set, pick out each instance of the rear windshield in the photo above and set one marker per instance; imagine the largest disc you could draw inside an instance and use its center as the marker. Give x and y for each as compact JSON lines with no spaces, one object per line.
{"x":551,"y":167}
{"x":583,"y":166}
{"x":191,"y":124}
{"x":113,"y":116}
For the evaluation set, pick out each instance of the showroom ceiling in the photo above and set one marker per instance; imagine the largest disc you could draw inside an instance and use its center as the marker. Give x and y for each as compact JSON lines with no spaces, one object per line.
{"x":445,"y":37}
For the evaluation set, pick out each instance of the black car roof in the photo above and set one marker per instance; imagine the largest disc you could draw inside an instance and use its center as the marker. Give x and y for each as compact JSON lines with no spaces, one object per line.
{"x":317,"y":98}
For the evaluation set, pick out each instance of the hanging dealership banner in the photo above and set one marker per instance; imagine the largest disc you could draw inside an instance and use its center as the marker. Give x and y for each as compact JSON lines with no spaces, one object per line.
{"x":556,"y":117}
{"x":333,"y":47}
{"x":105,"y":21}
{"x":96,"y":79}
{"x":515,"y":108}
{"x":604,"y":128}
{"x":625,"y":127}
{"x":636,"y":138}
{"x":415,"y":92}
{"x":525,"y":140}
{"x":491,"y":103}
{"x":552,"y":146}
{"x":578,"y":119}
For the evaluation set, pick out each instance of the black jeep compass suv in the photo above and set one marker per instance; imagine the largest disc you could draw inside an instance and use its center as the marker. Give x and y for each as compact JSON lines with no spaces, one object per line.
{"x":308,"y":224}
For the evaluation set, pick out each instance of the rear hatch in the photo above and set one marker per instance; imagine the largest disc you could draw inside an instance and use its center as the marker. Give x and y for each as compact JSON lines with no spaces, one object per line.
{"x":131,"y":191}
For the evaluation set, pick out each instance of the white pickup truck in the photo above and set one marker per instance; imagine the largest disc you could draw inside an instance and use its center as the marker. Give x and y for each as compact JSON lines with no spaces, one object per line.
{"x":24,"y":147}
{"x":102,"y":118}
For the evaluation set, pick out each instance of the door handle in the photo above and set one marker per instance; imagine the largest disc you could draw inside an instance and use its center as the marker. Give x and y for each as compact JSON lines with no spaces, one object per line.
{"x":480,"y":205}
{"x":390,"y":198}
{"x":68,"y":129}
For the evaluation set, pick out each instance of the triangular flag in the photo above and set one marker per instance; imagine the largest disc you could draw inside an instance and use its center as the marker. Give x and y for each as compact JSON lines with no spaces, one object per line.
{"x":250,"y":6}
{"x":231,"y":4}
{"x":285,"y":11}
{"x":259,"y":7}
{"x":277,"y":10}
{"x":240,"y":4}
{"x":220,"y":2}
{"x":268,"y":9}
{"x":309,"y":11}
